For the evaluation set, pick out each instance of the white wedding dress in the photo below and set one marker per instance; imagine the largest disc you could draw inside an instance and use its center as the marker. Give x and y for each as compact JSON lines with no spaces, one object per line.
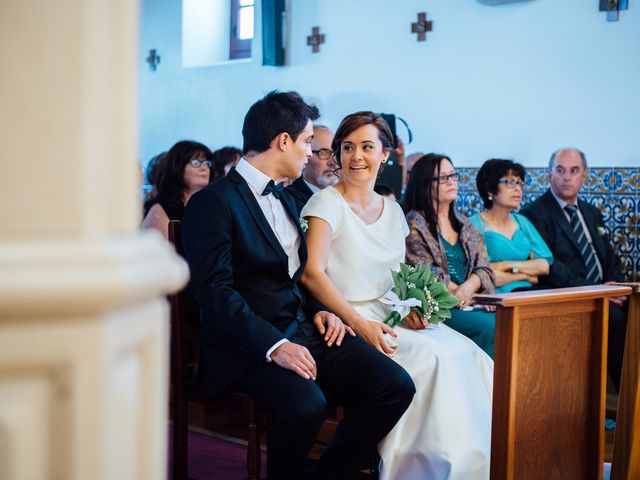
{"x":446,"y":431}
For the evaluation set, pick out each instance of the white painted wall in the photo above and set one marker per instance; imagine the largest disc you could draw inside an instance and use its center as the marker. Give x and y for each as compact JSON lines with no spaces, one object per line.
{"x":517,"y":80}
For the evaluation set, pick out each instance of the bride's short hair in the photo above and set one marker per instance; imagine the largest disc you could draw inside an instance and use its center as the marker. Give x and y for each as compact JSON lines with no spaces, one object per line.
{"x":352,"y":122}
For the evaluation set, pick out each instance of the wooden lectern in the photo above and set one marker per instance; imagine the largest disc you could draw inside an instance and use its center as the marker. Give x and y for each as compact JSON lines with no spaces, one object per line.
{"x":550,"y":382}
{"x":626,"y":443}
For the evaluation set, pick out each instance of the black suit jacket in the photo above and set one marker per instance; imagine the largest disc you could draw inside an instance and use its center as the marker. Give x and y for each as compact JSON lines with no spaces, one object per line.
{"x":239,"y":273}
{"x":568,"y":269}
{"x":301,"y":193}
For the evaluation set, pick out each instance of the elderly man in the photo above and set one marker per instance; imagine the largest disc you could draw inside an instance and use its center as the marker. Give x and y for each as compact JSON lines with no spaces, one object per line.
{"x":319,"y":171}
{"x":575,"y":233}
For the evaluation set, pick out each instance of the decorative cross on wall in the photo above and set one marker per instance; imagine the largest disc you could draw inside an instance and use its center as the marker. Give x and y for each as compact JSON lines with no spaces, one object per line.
{"x":421,"y":27}
{"x":153,"y":59}
{"x":315,"y":39}
{"x":613,"y":7}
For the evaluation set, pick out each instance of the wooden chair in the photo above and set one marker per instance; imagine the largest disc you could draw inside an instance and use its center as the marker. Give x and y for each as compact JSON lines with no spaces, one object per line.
{"x":626,"y":442}
{"x":550,"y":382}
{"x":186,"y":385}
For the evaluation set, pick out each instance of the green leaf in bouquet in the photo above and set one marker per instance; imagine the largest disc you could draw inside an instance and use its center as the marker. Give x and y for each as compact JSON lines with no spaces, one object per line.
{"x":404,"y":270}
{"x":448,"y":301}
{"x":393,"y":319}
{"x":429,"y":277}
{"x":437,"y":289}
{"x":424,"y":269}
{"x":444,"y":295}
{"x":418,"y":281}
{"x":402,"y":293}
{"x":442,"y":314}
{"x":398,"y":283}
{"x":419,"y":294}
{"x":439,"y":316}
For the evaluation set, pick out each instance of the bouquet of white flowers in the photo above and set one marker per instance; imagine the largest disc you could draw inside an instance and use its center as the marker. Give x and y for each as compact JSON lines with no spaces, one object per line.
{"x":416,"y":288}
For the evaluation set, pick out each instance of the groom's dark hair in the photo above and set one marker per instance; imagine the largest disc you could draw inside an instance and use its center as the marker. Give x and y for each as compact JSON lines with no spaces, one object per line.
{"x":276,"y":113}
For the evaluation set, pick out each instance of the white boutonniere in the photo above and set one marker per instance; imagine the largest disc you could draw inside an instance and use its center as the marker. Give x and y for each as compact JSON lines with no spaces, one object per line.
{"x":304,"y":225}
{"x":601,"y":231}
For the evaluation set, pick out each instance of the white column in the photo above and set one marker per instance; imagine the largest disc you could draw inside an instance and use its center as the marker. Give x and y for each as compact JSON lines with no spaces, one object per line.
{"x":83,"y":319}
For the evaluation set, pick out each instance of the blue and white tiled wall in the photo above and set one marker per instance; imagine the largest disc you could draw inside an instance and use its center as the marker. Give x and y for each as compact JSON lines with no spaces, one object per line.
{"x":615,"y":191}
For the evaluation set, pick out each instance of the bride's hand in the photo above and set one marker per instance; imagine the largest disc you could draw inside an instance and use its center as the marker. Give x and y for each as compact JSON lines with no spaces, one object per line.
{"x":373,"y":332}
{"x":415,"y":321}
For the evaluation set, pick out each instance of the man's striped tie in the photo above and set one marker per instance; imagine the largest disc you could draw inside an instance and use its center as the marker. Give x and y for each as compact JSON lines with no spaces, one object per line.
{"x":586,"y":250}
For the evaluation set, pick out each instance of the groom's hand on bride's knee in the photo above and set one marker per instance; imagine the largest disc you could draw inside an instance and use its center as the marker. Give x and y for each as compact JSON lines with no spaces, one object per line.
{"x":297,"y":358}
{"x":332,"y":327}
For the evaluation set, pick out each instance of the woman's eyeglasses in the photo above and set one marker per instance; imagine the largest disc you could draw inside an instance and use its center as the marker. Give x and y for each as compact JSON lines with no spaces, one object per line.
{"x":323,"y":153}
{"x":195,"y":162}
{"x":442,"y":179}
{"x":512,"y":184}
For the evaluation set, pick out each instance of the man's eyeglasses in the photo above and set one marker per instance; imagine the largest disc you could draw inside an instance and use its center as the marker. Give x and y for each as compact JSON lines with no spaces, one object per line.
{"x":195,"y":162}
{"x":442,"y":179}
{"x":323,"y":153}
{"x":512,"y":184}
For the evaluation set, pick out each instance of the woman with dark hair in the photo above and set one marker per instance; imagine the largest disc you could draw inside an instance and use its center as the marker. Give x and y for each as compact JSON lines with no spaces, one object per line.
{"x":185,"y":170}
{"x":224,"y":158}
{"x":448,"y":242}
{"x":517,"y":252}
{"x":355,"y":238}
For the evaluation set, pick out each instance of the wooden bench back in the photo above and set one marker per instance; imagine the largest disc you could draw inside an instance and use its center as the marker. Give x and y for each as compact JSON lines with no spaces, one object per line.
{"x":626,"y":443}
{"x":550,"y":383}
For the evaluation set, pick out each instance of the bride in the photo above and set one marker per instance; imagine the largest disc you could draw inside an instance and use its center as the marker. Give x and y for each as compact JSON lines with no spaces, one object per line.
{"x":355,"y":238}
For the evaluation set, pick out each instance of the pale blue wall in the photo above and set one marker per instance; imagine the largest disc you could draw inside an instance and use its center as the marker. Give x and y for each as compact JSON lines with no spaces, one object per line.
{"x":516,"y":80}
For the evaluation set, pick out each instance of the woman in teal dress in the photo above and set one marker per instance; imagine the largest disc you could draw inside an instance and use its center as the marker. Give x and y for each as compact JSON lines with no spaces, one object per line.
{"x":446,"y":240}
{"x":517,"y":252}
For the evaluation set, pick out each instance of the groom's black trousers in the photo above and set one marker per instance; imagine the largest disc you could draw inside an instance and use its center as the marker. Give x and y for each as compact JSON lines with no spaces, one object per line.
{"x":374,"y":390}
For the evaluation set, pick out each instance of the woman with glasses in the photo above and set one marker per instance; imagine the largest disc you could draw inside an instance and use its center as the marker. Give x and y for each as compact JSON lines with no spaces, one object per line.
{"x":517,"y":252}
{"x":443,"y":238}
{"x":186,"y":169}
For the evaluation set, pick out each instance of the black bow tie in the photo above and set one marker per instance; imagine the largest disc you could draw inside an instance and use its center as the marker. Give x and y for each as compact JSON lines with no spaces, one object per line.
{"x":274,"y":188}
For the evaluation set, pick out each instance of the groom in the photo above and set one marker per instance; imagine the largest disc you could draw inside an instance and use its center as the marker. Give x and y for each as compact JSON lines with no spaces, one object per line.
{"x":260,"y":332}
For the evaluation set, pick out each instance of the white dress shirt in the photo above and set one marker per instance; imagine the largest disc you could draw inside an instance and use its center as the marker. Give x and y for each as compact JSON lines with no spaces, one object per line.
{"x":281,"y":224}
{"x":563,"y":204}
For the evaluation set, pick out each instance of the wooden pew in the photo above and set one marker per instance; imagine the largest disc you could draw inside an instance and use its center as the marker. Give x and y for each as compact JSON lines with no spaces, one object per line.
{"x":550,"y":382}
{"x":626,"y":442}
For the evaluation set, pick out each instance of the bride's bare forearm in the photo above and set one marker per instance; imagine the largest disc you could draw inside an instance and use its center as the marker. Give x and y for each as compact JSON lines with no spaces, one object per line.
{"x":325,"y":291}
